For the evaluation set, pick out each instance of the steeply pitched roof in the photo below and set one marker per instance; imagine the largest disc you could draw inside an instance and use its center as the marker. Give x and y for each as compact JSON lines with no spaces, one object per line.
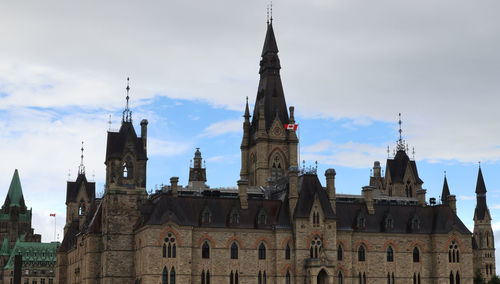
{"x":34,"y":254}
{"x":73,"y":187}
{"x":116,"y":142}
{"x":5,"y":247}
{"x":446,"y":191}
{"x":15,"y":195}
{"x":270,"y":90}
{"x":309,"y":188}
{"x":397,"y":167}
{"x":480,"y":187}
{"x":481,"y":206}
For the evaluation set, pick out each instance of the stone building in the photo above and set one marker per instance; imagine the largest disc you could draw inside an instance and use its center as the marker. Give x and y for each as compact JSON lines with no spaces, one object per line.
{"x":280,"y":225}
{"x":39,"y":259}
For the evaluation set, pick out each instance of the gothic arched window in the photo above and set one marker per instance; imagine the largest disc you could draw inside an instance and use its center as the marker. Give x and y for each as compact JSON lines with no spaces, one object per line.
{"x":81,"y":208}
{"x":361,"y":253}
{"x":287,"y":251}
{"x":234,"y":251}
{"x":390,"y":254}
{"x":453,"y":252}
{"x":262,"y":251}
{"x":205,"y":250}
{"x":452,"y":279}
{"x":316,"y":246}
{"x":457,"y":278}
{"x":164,"y":276}
{"x":172,"y":276}
{"x":340,"y":278}
{"x":339,"y":252}
{"x":276,"y":167}
{"x":128,"y":168}
{"x":288,"y":278}
{"x":416,"y":255}
{"x":169,"y":246}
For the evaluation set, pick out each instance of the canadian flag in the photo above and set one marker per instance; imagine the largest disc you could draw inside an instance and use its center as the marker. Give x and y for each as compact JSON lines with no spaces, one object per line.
{"x":291,"y":126}
{"x":52,"y":214}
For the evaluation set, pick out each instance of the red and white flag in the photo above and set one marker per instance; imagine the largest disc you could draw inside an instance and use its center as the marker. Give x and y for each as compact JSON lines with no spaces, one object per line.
{"x":52,"y":214}
{"x":291,"y":126}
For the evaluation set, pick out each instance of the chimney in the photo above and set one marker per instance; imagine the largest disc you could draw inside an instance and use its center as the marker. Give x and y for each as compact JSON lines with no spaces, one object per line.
{"x":330,"y":187}
{"x":144,"y":133}
{"x":368,"y":196}
{"x":452,"y":202}
{"x":293,"y":183}
{"x":242,"y":193}
{"x":173,"y":186}
{"x":376,"y":169}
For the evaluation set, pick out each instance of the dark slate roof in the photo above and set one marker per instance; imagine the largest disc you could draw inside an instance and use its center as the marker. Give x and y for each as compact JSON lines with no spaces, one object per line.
{"x":270,"y":91}
{"x":187,"y":210}
{"x":438,"y":219}
{"x":73,"y":187}
{"x":481,"y":206}
{"x":397,"y":167}
{"x":117,"y":140}
{"x":446,"y":191}
{"x":309,"y":188}
{"x":70,"y":238}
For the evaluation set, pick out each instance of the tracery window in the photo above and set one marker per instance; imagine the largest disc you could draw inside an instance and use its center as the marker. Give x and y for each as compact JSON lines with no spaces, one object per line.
{"x":169,"y":246}
{"x":234,"y":251}
{"x":416,"y":255}
{"x":390,"y":254}
{"x":361,"y":253}
{"x":453,"y":252}
{"x":262,"y":251}
{"x":276,"y":167}
{"x":316,"y":246}
{"x":205,"y":250}
{"x":287,"y":251}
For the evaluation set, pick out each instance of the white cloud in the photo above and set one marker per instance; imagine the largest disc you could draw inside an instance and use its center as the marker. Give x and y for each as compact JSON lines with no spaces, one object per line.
{"x":223,"y":127}
{"x":351,"y":154}
{"x":466,"y":197}
{"x":157,"y":147}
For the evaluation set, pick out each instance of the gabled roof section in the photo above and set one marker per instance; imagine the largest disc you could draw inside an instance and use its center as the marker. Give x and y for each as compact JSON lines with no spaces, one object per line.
{"x":446,"y":191}
{"x":15,"y":196}
{"x":270,"y":91}
{"x":73,"y":187}
{"x":34,"y":254}
{"x":117,"y":140}
{"x":397,"y":167}
{"x":309,"y":188}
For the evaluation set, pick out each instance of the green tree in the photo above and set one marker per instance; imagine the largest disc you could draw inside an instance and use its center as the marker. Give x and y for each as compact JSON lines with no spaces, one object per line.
{"x":494,"y":280}
{"x":478,"y":278}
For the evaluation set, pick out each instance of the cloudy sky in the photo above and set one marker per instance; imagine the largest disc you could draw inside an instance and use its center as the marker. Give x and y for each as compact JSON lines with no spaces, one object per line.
{"x":349,"y":68}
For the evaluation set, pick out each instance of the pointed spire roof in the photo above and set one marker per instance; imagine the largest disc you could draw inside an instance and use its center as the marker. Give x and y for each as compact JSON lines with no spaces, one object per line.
{"x":480,"y":187}
{"x":446,"y":191}
{"x":5,"y":247}
{"x":270,"y":45}
{"x":15,"y":195}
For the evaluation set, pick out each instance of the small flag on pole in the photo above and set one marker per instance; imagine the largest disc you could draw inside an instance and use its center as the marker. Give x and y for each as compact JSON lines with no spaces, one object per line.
{"x":52,"y":214}
{"x":291,"y":126}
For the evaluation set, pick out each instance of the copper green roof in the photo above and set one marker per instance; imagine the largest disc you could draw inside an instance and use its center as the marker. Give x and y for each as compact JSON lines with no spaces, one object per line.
{"x":40,"y":254}
{"x":15,"y":195}
{"x":5,"y":247}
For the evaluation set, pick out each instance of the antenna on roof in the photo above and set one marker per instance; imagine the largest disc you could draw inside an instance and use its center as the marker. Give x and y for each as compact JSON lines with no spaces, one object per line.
{"x":69,"y":174}
{"x":413,"y":153}
{"x":271,"y":11}
{"x":388,"y":152}
{"x":479,"y":164}
{"x":267,"y":14}
{"x":444,"y":173}
{"x":127,"y":114}
{"x":109,"y":122}
{"x":401,"y":143}
{"x":81,"y":168}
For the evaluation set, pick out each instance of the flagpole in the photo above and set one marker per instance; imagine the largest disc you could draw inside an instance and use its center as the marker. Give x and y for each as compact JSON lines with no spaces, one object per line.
{"x":55,"y":227}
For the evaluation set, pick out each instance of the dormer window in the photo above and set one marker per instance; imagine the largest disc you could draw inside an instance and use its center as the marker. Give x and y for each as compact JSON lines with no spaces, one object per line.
{"x":415,"y":223}
{"x":128,"y":168}
{"x":206,"y":216}
{"x":388,"y":223}
{"x":234,"y":217}
{"x":361,"y":222}
{"x":262,"y":217}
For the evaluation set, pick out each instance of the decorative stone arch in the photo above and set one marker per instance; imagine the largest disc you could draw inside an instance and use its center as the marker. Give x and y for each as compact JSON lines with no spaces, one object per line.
{"x":277,"y":158}
{"x":235,"y":239}
{"x":166,"y":231}
{"x":287,"y":240}
{"x":316,"y":233}
{"x":277,"y":150}
{"x":206,"y":238}
{"x":418,"y":244}
{"x":362,"y":242}
{"x":391,"y":243}
{"x":342,"y":268}
{"x":342,"y":243}
{"x":450,"y":239}
{"x":262,"y":240}
{"x":287,"y":267}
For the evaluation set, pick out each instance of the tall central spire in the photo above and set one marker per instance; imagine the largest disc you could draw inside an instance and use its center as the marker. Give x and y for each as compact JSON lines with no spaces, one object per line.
{"x":270,"y":91}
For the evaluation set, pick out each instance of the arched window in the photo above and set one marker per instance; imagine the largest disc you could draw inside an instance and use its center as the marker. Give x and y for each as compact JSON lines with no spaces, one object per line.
{"x":414,"y":278}
{"x":390,"y":254}
{"x":340,"y":278}
{"x":276,"y":167}
{"x":453,"y":252}
{"x":419,"y":278}
{"x":360,"y":280}
{"x":339,"y":252}
{"x":206,"y":216}
{"x":388,"y":223}
{"x":361,"y":253}
{"x":457,"y":278}
{"x":316,"y":246}
{"x":264,"y":278}
{"x":81,"y":208}
{"x":262,"y":251}
{"x":203,"y":277}
{"x":205,"y":250}
{"x":452,"y":279}
{"x":234,"y":251}
{"x":233,"y":277}
{"x":172,"y":276}
{"x":128,"y":168}
{"x":288,"y":278}
{"x":164,"y":276}
{"x":388,"y":278}
{"x":169,"y":246}
{"x":393,"y":282}
{"x":207,"y":278}
{"x":361,"y":222}
{"x":259,"y":279}
{"x":364,"y":278}
{"x":416,"y":255}
{"x":287,"y":251}
{"x":262,"y":217}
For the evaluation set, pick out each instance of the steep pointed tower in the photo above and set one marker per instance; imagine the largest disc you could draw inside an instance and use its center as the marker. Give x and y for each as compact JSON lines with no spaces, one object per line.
{"x":79,"y":195}
{"x":125,"y":192}
{"x":483,"y":242}
{"x":267,"y":149}
{"x":198,"y":173}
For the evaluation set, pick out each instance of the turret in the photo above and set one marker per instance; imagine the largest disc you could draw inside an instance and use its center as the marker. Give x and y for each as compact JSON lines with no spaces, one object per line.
{"x":197,"y":173}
